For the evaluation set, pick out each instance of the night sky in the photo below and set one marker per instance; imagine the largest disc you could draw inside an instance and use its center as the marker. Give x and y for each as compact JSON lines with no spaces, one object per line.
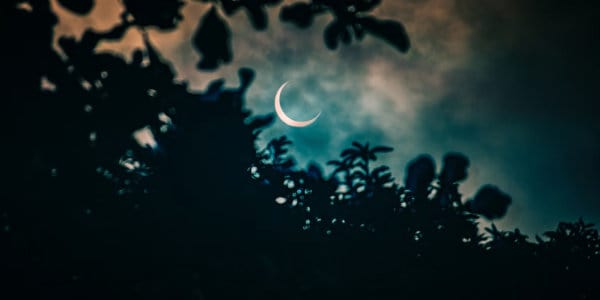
{"x":511,"y":84}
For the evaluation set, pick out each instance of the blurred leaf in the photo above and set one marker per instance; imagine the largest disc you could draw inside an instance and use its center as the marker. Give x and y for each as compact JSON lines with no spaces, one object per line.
{"x":350,"y":153}
{"x":332,"y":33}
{"x":258,"y":16}
{"x":334,"y":163}
{"x":390,"y":31}
{"x":419,"y":175}
{"x":359,"y":31}
{"x":301,"y":14}
{"x":164,"y":14}
{"x":382,"y":149}
{"x":490,"y":202}
{"x":366,"y":5}
{"x":380,"y":169}
{"x":360,"y":146}
{"x":454,"y":168}
{"x":213,"y":40}
{"x":80,"y":7}
{"x":254,"y":8}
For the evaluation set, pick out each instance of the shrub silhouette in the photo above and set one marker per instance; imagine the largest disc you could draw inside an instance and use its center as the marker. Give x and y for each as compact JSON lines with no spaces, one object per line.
{"x":124,"y":184}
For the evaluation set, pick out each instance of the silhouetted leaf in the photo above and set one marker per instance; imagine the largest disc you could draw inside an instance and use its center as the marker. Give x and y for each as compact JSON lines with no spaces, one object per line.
{"x":334,"y":163}
{"x":332,"y":34}
{"x":212,"y":40}
{"x":258,"y":16}
{"x":365,"y":5}
{"x":382,"y":149}
{"x":254,"y":8}
{"x":345,"y":35}
{"x":314,"y":171}
{"x":80,"y":7}
{"x":380,"y":169}
{"x":301,"y":14}
{"x":390,"y":31}
{"x":359,"y":31}
{"x":490,"y":202}
{"x":164,"y":14}
{"x":362,"y":165}
{"x":454,"y":168}
{"x":419,"y":175}
{"x":246,"y":77}
{"x":229,"y":6}
{"x":350,"y":153}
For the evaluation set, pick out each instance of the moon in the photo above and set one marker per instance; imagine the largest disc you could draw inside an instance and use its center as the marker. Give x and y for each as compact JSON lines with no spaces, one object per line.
{"x":284,"y":118}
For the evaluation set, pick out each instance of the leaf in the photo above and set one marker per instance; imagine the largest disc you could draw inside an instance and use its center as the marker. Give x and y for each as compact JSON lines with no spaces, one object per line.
{"x":164,"y":14}
{"x":350,"y":153}
{"x":334,"y":163}
{"x":359,"y":146}
{"x":213,"y":40}
{"x":390,"y":31}
{"x":359,"y":31}
{"x":380,"y":169}
{"x":258,"y":16}
{"x":362,"y":165}
{"x":230,"y":6}
{"x":301,"y":14}
{"x":332,"y":33}
{"x":382,"y":149}
{"x":287,"y":164}
{"x":357,"y":175}
{"x":80,"y":7}
{"x":366,"y":5}
{"x":490,"y":202}
{"x":283,"y":140}
{"x":345,"y":35}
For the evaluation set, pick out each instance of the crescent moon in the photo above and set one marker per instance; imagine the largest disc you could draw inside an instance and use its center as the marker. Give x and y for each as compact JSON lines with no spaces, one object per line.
{"x":284,"y":118}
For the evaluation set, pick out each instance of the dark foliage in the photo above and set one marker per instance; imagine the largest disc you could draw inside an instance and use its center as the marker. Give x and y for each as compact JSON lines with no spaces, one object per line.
{"x":490,"y":202}
{"x":123,"y":184}
{"x":254,"y":8}
{"x":164,"y":14}
{"x":351,"y":20}
{"x":81,"y":7}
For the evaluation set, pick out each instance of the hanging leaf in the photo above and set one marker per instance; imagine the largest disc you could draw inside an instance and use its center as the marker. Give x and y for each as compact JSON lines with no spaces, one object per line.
{"x":390,"y":31}
{"x":366,"y":5}
{"x":490,"y":202}
{"x":454,"y":169}
{"x":301,"y":14}
{"x":80,"y":7}
{"x":164,"y":14}
{"x":419,"y":174}
{"x":382,"y":149}
{"x":258,"y":16}
{"x":332,"y":33}
{"x":213,"y":40}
